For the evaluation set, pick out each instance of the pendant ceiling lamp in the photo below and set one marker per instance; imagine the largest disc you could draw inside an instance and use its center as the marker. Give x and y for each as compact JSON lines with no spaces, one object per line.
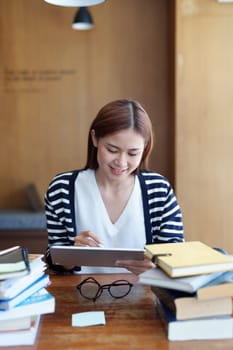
{"x":74,"y":3}
{"x":82,"y":19}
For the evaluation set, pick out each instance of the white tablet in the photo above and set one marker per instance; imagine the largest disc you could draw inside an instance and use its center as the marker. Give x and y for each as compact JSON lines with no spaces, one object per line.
{"x":93,"y":256}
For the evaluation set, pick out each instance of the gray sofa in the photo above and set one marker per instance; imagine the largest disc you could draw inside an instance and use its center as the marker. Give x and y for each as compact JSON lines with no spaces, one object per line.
{"x":25,"y":227}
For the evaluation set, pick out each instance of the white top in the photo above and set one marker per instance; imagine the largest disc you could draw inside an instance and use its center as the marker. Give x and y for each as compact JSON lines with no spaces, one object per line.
{"x":127,"y":232}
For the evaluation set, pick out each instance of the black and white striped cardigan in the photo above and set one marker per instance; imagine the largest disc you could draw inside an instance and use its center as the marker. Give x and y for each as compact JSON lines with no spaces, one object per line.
{"x":162,"y":214}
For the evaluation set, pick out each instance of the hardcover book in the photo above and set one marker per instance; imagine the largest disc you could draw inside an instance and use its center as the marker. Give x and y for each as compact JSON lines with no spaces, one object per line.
{"x":6,"y":304}
{"x":9,"y":288}
{"x":190,"y":284}
{"x":13,"y":324}
{"x":184,"y":306}
{"x":188,"y":258}
{"x":14,"y":262}
{"x":22,"y":336}
{"x":220,"y":287}
{"x":41,"y":302}
{"x":196,"y":329}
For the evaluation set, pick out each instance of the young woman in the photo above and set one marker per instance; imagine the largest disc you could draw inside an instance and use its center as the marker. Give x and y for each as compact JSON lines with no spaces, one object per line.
{"x":114,"y":200}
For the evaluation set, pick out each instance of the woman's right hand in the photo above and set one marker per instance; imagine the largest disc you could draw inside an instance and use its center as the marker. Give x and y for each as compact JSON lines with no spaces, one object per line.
{"x":87,"y":239}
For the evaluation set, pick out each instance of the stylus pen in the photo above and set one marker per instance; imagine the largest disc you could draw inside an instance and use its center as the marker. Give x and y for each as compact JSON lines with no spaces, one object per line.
{"x":100,"y":245}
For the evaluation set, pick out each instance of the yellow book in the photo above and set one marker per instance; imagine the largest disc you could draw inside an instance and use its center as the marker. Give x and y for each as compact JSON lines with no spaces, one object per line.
{"x":188,"y":258}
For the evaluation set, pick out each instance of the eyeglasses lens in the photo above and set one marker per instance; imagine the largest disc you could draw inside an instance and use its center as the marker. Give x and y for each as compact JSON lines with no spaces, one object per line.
{"x":89,"y":289}
{"x":119,"y":289}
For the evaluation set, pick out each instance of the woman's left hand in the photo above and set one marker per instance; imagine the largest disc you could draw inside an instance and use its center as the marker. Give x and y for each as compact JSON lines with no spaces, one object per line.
{"x":136,"y":266}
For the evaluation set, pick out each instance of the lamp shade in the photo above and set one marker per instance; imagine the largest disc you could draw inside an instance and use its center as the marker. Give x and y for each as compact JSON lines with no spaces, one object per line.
{"x":74,"y":3}
{"x":82,"y":19}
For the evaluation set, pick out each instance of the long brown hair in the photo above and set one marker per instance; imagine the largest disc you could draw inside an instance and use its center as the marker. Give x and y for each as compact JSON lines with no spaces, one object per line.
{"x":116,"y":116}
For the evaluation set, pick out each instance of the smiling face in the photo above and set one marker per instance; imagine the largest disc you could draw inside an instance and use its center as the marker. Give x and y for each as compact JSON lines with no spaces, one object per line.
{"x":113,"y":121}
{"x":118,"y":154}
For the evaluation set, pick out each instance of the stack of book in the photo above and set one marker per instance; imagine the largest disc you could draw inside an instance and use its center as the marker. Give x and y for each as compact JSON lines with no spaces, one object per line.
{"x":23,"y":296}
{"x":193,"y":284}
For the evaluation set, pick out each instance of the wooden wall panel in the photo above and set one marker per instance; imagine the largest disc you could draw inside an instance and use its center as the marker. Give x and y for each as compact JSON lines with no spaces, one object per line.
{"x":55,"y":79}
{"x":204,"y":123}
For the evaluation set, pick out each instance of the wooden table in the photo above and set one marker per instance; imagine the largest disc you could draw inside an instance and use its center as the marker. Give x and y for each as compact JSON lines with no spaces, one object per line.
{"x":131,"y":322}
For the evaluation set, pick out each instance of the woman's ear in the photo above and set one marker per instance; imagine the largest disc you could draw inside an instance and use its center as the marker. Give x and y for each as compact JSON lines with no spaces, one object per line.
{"x":94,"y":139}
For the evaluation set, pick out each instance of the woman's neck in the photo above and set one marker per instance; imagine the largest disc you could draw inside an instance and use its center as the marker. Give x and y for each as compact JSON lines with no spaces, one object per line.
{"x":115,"y":194}
{"x":114,"y":185}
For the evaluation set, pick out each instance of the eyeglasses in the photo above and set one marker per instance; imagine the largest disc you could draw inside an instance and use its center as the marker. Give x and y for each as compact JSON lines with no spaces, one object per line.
{"x":91,"y":289}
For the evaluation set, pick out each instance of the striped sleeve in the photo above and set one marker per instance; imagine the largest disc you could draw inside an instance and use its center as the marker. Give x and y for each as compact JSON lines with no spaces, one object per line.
{"x":58,"y":211}
{"x":164,"y":210}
